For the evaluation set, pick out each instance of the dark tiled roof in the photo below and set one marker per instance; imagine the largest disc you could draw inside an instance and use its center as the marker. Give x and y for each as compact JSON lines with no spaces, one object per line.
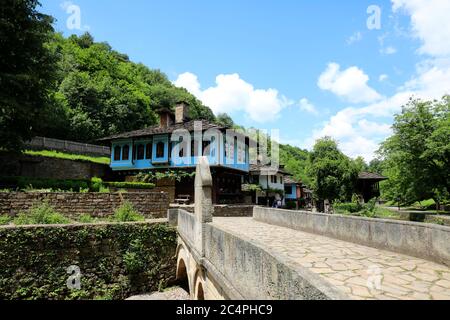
{"x":258,"y":168}
{"x":290,"y":180}
{"x":371,"y":176}
{"x":155,"y":130}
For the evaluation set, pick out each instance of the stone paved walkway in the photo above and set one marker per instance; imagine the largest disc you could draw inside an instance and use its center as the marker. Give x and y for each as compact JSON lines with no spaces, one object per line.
{"x":359,"y":271}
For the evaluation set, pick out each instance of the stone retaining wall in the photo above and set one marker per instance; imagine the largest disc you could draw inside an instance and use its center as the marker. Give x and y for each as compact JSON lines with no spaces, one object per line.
{"x":51,"y":168}
{"x":115,"y":260}
{"x":426,"y":241}
{"x":72,"y":205}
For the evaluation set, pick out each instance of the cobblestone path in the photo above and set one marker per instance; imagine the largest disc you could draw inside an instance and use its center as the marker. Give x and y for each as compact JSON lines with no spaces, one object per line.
{"x":359,"y":271}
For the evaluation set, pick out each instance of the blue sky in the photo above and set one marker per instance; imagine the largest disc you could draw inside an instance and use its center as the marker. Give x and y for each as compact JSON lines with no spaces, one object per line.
{"x":307,"y":68}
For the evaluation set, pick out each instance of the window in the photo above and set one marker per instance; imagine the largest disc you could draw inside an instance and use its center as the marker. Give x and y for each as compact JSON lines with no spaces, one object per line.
{"x":117,"y":151}
{"x":287,"y":190}
{"x":148,"y":151}
{"x":134,"y":153}
{"x":160,"y":146}
{"x":126,"y":153}
{"x":140,"y":152}
{"x":281,"y":179}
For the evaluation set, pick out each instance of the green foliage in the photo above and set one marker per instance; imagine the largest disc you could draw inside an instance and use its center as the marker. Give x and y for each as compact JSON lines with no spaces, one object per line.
{"x":100,"y":92}
{"x":4,"y":219}
{"x":96,"y":184}
{"x":347,"y":207}
{"x":333,"y":175}
{"x":150,"y":176}
{"x":86,"y":218}
{"x":99,"y":251}
{"x":67,"y":156}
{"x":40,"y":214}
{"x":296,"y":162}
{"x":251,"y":188}
{"x":25,"y":183}
{"x":127,"y":213}
{"x":417,"y":156}
{"x":27,"y":71}
{"x":130,"y":185}
{"x":224,"y":120}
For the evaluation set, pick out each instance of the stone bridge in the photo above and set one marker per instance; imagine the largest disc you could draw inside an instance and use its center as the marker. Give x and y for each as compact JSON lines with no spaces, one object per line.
{"x":280,"y":254}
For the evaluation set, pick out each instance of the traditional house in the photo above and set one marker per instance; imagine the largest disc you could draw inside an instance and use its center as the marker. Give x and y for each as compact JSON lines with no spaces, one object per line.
{"x":292,"y":192}
{"x":175,"y":144}
{"x":271,"y":181}
{"x":368,"y":185}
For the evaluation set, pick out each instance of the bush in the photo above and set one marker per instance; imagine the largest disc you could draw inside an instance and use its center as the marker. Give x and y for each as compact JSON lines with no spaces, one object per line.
{"x":351,"y":207}
{"x":96,"y":184}
{"x":127,"y":213}
{"x":41,"y":214}
{"x":4,"y":220}
{"x":130,"y":185}
{"x":86,"y":218}
{"x":290,"y":205}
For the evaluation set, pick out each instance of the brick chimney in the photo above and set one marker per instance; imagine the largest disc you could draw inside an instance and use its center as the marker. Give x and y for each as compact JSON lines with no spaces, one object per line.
{"x":165,"y":118}
{"x":181,"y":112}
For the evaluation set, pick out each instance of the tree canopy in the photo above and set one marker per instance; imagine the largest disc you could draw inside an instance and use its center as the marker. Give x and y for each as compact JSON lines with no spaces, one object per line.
{"x":333,"y":175}
{"x":417,"y":156}
{"x":101,"y":92}
{"x":27,"y":70}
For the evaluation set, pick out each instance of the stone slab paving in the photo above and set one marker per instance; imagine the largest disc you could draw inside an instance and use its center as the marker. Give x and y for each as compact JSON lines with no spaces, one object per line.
{"x":359,"y":271}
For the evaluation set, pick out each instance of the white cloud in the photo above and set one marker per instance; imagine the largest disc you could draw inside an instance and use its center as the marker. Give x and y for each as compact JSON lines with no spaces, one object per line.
{"x":383,"y":77}
{"x":430,"y":23}
{"x":388,"y":50}
{"x":307,"y":106}
{"x":350,"y":84}
{"x":359,"y":130}
{"x":232,"y":94}
{"x":356,"y":37}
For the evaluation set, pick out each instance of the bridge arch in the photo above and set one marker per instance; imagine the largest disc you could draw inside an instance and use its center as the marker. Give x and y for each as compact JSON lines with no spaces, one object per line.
{"x":183,"y":273}
{"x":199,"y":293}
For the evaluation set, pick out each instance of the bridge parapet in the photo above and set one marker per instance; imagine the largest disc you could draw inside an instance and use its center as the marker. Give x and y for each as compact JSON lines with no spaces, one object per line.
{"x":221,"y":265}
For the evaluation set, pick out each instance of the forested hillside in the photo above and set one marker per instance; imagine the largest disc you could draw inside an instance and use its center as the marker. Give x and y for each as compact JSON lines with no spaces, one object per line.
{"x":100,"y":92}
{"x":295,"y":161}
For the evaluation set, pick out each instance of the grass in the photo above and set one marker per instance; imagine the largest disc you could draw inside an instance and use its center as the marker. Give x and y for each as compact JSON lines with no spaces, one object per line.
{"x":40,"y":214}
{"x":4,"y":220}
{"x":127,"y":213}
{"x":67,"y":156}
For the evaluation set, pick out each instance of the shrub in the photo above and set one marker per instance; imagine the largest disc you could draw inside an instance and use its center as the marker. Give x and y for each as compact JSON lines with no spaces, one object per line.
{"x":127,"y":213}
{"x":290,"y":205}
{"x":130,"y":185}
{"x":96,"y":184}
{"x":351,"y":207}
{"x":86,"y":218}
{"x":41,"y":214}
{"x":4,"y":220}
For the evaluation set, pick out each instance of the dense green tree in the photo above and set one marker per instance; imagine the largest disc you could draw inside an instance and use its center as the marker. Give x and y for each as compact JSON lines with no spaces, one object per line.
{"x":417,"y":156}
{"x":376,"y":166}
{"x":333,"y":175}
{"x":27,"y":66}
{"x":224,"y":120}
{"x":100,"y":92}
{"x":361,"y":164}
{"x":295,"y":161}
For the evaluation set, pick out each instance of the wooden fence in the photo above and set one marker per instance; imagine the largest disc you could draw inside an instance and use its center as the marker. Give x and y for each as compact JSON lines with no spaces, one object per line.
{"x":42,"y":143}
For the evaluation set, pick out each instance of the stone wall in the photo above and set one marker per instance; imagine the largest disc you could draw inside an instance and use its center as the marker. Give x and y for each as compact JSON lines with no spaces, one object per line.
{"x":50,"y":168}
{"x":72,"y":205}
{"x":223,"y":210}
{"x":115,"y":260}
{"x":426,"y":241}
